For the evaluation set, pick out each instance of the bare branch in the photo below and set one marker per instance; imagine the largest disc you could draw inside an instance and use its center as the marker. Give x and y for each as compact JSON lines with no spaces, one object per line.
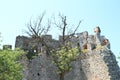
{"x":42,"y":30}
{"x":57,"y":24}
{"x":41,"y":18}
{"x":33,"y":30}
{"x":63,"y":27}
{"x":28,"y":33}
{"x":35,"y":25}
{"x":29,"y":29}
{"x":77,"y":27}
{"x":48,"y":27}
{"x":36,"y":29}
{"x":40,"y":21}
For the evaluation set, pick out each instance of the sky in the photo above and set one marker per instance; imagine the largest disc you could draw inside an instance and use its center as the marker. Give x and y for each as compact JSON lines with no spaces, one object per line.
{"x":15,"y":14}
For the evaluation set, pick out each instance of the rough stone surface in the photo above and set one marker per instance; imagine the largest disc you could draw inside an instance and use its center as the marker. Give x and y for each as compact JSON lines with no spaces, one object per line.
{"x":40,"y":68}
{"x":96,"y":64}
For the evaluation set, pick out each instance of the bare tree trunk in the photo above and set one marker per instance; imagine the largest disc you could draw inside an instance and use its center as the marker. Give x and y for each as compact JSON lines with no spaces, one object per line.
{"x":64,"y":29}
{"x":62,"y":76}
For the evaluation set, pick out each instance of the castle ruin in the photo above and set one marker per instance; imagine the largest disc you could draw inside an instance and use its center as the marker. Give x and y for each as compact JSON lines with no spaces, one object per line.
{"x":98,"y":63}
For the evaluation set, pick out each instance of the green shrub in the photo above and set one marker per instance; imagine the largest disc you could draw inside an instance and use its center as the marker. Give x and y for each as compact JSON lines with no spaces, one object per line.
{"x":10,"y":67}
{"x":62,"y":59}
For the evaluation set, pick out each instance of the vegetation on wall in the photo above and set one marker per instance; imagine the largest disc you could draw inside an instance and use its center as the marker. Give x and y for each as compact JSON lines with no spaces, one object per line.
{"x":63,"y":57}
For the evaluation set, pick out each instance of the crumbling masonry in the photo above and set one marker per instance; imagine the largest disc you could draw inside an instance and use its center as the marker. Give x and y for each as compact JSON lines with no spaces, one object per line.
{"x":97,"y":63}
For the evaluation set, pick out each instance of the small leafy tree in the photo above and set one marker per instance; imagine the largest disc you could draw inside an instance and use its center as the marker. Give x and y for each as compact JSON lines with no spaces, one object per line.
{"x":10,"y":67}
{"x":63,"y":57}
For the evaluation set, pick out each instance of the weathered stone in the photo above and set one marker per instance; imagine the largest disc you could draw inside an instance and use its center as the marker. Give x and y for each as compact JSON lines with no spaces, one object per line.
{"x":90,"y":46}
{"x":96,"y":64}
{"x":93,"y":66}
{"x":97,"y":35}
{"x":41,"y":68}
{"x":5,"y":47}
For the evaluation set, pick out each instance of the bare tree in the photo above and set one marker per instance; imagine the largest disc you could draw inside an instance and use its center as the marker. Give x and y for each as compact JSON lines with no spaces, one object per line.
{"x":36,"y":29}
{"x":62,"y":25}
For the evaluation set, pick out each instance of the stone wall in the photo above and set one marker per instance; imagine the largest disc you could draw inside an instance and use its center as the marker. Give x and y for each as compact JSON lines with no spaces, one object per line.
{"x":41,"y":68}
{"x":26,"y":43}
{"x":98,"y":63}
{"x":101,"y":65}
{"x":94,"y":65}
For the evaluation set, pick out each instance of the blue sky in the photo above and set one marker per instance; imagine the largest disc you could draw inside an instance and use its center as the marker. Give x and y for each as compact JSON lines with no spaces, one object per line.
{"x":15,"y":14}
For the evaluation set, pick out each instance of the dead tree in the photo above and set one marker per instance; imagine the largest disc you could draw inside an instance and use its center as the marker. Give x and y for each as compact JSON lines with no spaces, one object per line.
{"x":36,"y":30}
{"x":62,"y":25}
